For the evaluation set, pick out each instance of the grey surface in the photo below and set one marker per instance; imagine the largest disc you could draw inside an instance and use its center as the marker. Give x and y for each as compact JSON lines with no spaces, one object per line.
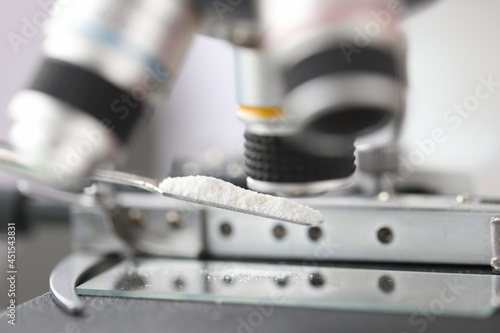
{"x":106,"y":314}
{"x":37,"y":253}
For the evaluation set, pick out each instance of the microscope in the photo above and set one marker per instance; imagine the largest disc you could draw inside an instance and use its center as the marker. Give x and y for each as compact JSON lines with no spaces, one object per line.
{"x":313,"y":79}
{"x":309,"y":82}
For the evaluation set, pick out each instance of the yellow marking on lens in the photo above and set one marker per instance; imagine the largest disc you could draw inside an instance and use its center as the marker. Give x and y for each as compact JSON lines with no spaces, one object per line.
{"x":261,"y":112}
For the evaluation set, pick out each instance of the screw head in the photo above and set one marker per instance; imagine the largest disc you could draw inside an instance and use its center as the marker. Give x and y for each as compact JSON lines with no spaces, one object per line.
{"x":226,"y":229}
{"x":137,"y":218}
{"x":385,"y":235}
{"x":279,"y":231}
{"x":174,"y":219}
{"x":315,"y":233}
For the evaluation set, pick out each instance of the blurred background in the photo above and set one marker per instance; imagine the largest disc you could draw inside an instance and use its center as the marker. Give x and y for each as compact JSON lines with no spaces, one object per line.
{"x":451,"y":46}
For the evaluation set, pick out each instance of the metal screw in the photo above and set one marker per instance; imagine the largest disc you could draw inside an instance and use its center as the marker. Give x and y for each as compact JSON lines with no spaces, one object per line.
{"x":316,"y":280}
{"x":174,"y":219}
{"x":385,"y":235}
{"x":226,"y":229}
{"x":137,"y":218}
{"x":279,"y":231}
{"x":386,"y":284}
{"x":315,"y":233}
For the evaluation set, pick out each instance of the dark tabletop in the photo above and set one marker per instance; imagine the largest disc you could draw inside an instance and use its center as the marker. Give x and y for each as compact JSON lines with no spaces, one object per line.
{"x":109,"y":314}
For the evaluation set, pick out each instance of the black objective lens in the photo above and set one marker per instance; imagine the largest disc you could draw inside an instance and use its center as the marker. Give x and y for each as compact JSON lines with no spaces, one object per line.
{"x":275,"y":160}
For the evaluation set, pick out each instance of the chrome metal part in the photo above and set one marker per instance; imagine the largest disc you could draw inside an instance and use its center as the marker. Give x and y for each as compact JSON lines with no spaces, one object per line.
{"x":42,"y":192}
{"x":296,"y":38}
{"x":406,"y":229}
{"x":403,"y":228}
{"x":134,"y":48}
{"x":258,"y":80}
{"x":234,"y":21}
{"x":152,"y":185}
{"x":495,"y":244}
{"x":160,"y":239}
{"x":108,"y":37}
{"x":376,"y":164}
{"x":324,"y":93}
{"x":301,"y":189}
{"x":10,"y":162}
{"x":97,"y":229}
{"x":122,"y":178}
{"x":71,"y":271}
{"x":84,"y":142}
{"x":379,"y":159}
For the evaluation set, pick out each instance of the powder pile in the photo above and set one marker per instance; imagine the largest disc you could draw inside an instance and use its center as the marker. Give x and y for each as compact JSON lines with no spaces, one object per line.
{"x":221,"y":193}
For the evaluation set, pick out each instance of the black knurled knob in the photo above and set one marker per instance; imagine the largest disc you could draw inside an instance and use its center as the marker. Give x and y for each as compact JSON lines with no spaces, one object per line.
{"x":273,"y":159}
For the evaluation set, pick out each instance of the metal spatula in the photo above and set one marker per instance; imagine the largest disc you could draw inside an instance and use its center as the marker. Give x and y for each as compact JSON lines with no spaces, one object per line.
{"x":9,"y":162}
{"x":153,"y":185}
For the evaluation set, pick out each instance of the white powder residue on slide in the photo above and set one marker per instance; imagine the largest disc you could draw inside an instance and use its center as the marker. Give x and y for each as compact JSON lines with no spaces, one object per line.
{"x":222,"y":193}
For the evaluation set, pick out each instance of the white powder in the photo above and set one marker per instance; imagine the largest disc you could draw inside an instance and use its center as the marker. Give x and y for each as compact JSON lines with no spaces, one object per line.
{"x":221,"y":193}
